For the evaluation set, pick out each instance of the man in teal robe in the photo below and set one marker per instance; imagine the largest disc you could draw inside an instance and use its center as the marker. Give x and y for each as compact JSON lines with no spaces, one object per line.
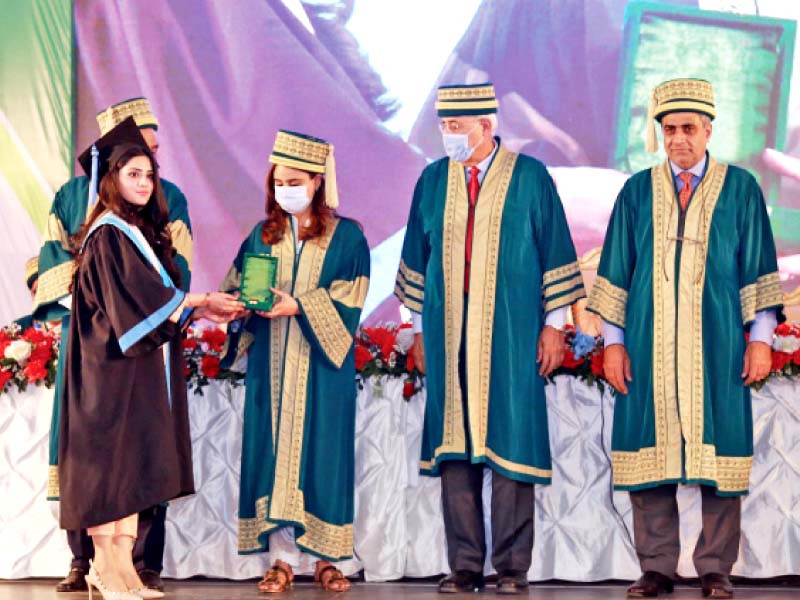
{"x":52,"y":301}
{"x":688,"y":267}
{"x":489,"y":264}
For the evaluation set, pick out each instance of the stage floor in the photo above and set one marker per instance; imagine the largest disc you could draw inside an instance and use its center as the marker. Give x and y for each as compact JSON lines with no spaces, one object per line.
{"x":44,"y":589}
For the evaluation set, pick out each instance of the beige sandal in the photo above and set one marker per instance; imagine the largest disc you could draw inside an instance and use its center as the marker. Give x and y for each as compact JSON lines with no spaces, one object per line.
{"x":276,"y":580}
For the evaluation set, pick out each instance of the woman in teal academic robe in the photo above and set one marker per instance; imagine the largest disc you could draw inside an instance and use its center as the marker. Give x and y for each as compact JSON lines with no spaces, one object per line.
{"x":298,"y":449}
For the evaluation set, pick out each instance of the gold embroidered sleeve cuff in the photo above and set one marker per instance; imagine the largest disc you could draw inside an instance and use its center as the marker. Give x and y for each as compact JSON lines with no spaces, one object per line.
{"x":764,"y":293}
{"x":54,"y":284}
{"x":182,"y":240}
{"x":232,"y":281}
{"x":326,"y":325}
{"x":410,"y":287}
{"x":563,"y":290}
{"x":608,"y":301}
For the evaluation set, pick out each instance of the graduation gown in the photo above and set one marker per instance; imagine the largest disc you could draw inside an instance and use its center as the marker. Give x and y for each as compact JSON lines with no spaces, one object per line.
{"x":523,"y":266}
{"x":124,"y":442}
{"x":67,"y":215}
{"x":685,"y":307}
{"x":298,"y":447}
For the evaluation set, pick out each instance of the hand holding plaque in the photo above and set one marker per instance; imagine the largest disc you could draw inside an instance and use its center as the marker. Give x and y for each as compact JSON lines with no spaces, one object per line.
{"x":259,"y":276}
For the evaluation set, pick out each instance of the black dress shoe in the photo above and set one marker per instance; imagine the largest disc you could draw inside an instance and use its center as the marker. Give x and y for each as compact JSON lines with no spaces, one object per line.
{"x":151,"y":579}
{"x":512,"y":582}
{"x":460,"y":582}
{"x":650,"y":585}
{"x":716,"y":585}
{"x":74,"y":582}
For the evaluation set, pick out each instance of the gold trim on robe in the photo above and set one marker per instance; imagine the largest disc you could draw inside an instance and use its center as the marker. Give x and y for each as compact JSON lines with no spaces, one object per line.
{"x":54,"y":283}
{"x":331,"y":333}
{"x":608,"y":301}
{"x":182,"y":240}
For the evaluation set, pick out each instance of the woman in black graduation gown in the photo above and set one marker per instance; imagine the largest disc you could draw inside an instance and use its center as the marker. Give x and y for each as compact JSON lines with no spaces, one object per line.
{"x":124,"y":437}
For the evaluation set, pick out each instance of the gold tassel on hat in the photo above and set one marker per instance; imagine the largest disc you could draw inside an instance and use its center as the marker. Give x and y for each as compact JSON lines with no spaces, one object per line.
{"x":331,"y":189}
{"x":651,"y":141}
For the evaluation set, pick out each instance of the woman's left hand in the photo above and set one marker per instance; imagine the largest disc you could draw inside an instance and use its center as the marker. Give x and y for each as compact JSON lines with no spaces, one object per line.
{"x":284,"y":306}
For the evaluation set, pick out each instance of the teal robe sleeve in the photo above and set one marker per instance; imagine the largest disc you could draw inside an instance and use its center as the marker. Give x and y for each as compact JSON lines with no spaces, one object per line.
{"x":329,"y":315}
{"x":759,"y":283}
{"x":239,"y":338}
{"x":562,"y":282}
{"x":55,"y":259}
{"x":609,"y":294}
{"x":410,"y":283}
{"x":180,"y":228}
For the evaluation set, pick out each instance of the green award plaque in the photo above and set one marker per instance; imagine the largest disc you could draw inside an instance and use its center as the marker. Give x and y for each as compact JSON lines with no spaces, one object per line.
{"x":259,"y":275}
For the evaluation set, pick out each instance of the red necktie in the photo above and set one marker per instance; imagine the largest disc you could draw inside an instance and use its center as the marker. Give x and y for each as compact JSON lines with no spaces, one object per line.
{"x":686,"y":190}
{"x":473,"y":186}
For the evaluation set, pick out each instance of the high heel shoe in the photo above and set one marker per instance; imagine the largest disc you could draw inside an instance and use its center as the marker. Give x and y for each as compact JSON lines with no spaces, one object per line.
{"x":93,"y":581}
{"x":144,"y":592}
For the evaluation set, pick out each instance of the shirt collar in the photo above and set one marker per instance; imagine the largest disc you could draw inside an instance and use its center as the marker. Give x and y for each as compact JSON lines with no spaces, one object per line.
{"x":484,"y":164}
{"x":696,"y":170}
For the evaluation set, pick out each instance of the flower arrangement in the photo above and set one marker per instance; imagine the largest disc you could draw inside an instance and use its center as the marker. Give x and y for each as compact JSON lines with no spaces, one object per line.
{"x":202,"y":350}
{"x":786,"y":351}
{"x":27,"y":357}
{"x":583,"y":358}
{"x":385,"y":350}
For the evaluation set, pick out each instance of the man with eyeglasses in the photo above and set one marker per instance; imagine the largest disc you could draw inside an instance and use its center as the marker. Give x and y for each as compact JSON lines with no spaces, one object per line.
{"x":489,"y":269}
{"x":688,"y":269}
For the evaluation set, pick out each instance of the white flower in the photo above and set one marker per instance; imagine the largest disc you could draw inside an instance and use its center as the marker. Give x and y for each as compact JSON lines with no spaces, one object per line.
{"x":19,"y":350}
{"x":788,"y":344}
{"x":405,"y":338}
{"x":392,"y":360}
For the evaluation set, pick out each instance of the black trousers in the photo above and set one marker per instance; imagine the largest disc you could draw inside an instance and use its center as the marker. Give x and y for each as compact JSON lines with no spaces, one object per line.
{"x":462,"y":491}
{"x":656,"y":530}
{"x":148,"y":550}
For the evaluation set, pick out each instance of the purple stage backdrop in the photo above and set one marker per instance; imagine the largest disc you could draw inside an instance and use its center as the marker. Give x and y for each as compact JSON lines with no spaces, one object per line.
{"x":223,"y":76}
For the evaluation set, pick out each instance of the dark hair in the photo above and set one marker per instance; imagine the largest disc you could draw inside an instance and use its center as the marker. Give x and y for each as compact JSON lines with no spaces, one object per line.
{"x":152,"y":219}
{"x":273,"y":229}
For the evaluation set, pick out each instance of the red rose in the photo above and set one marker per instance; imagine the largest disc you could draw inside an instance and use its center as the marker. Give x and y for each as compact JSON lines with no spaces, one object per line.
{"x":215,"y":338}
{"x":363,"y":356}
{"x":570,"y":362}
{"x":186,"y":370}
{"x":42,"y":353}
{"x":408,"y":389}
{"x":783,"y":329}
{"x":5,"y":376}
{"x":33,"y":335}
{"x":210,"y":366}
{"x":796,"y":358}
{"x":384,"y":338}
{"x":35,"y":370}
{"x":597,"y":364}
{"x":190,"y":344}
{"x":780,"y":360}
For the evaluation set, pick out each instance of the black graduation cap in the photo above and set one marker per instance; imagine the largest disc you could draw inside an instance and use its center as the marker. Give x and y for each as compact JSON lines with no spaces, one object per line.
{"x":94,"y":159}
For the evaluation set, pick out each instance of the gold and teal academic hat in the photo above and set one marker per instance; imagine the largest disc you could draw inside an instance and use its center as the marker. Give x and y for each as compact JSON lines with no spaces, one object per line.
{"x":31,"y":271}
{"x":678,"y":95}
{"x":307,"y":153}
{"x":462,"y":100}
{"x":138,"y":108}
{"x":95,"y":159}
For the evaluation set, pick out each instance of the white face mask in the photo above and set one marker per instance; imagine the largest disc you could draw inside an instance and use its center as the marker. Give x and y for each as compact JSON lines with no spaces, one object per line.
{"x":456,"y":146}
{"x":292,"y":198}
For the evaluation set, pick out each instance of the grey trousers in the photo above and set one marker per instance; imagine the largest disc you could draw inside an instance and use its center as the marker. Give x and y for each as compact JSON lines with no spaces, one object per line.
{"x":512,"y":519}
{"x":462,"y":504}
{"x":656,"y":530}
